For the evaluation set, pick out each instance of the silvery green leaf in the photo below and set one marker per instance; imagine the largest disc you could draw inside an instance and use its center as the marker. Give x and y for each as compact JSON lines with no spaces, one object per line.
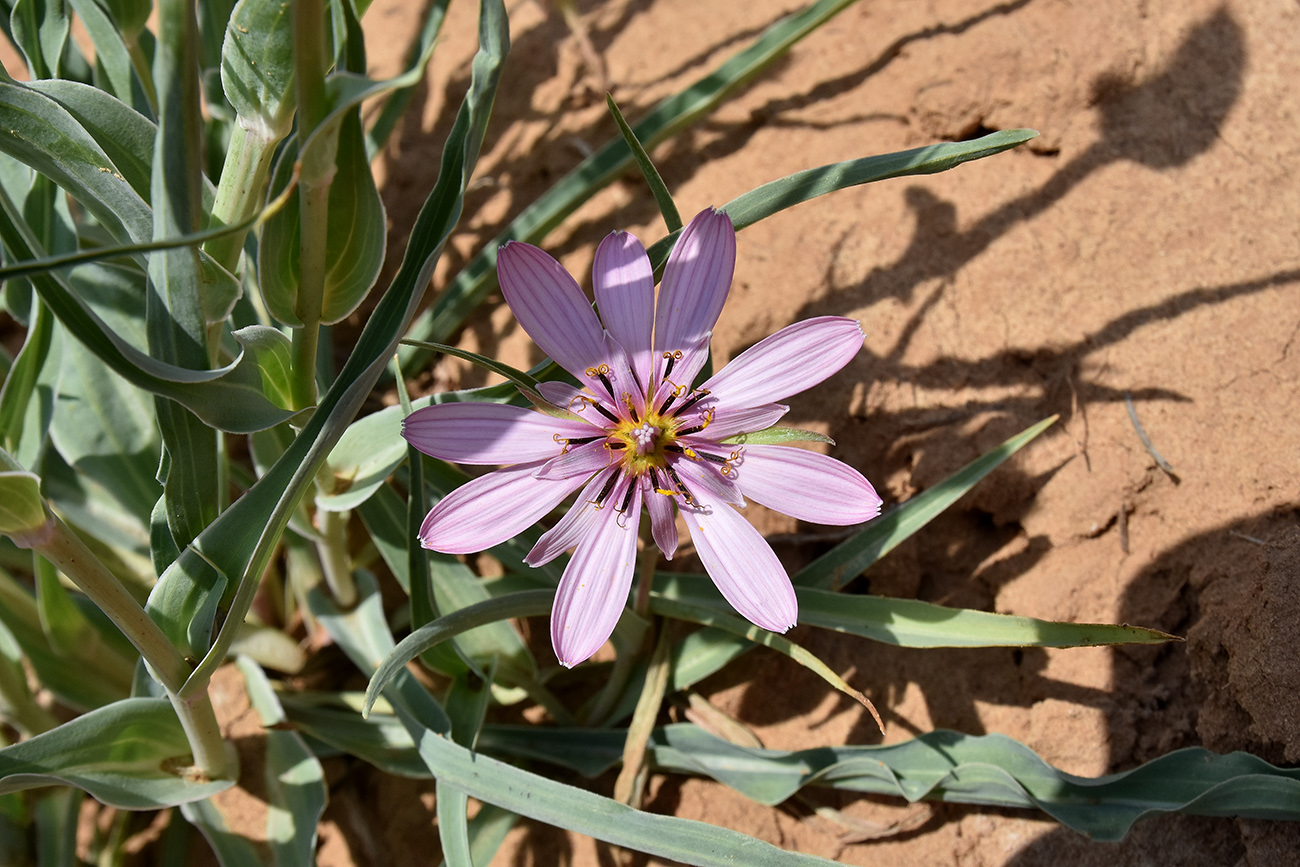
{"x":272,"y":352}
{"x":131,"y":754}
{"x":257,"y":66}
{"x":40,"y":29}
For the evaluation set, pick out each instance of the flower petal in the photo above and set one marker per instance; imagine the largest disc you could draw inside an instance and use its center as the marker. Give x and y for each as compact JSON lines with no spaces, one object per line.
{"x":551,"y":307}
{"x":696,"y":281}
{"x":580,"y":460}
{"x":706,"y":483}
{"x":489,"y":433}
{"x":663,"y":527}
{"x":624,"y":284}
{"x":694,"y":355}
{"x":793,"y":359}
{"x":593,"y":589}
{"x":729,"y":423}
{"x":805,"y":485}
{"x":743,"y":566}
{"x":575,"y":524}
{"x":490,"y":509}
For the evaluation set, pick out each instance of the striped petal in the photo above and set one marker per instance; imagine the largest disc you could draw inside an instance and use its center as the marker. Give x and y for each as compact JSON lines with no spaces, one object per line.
{"x":551,"y":307}
{"x":580,"y":460}
{"x":624,"y":284}
{"x":696,"y":281}
{"x":570,"y":529}
{"x":806,"y":485}
{"x":663,"y":526}
{"x":489,"y":433}
{"x":793,"y":359}
{"x":729,"y":422}
{"x":492,"y":508}
{"x":743,"y":566}
{"x":706,"y":483}
{"x":593,"y":589}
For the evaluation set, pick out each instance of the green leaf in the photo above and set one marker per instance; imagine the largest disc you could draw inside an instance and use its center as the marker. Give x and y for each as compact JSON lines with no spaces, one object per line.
{"x":106,"y":430}
{"x":527,"y":603}
{"x":295,"y":781}
{"x":40,"y":30}
{"x":20,"y":396}
{"x":22,"y":509}
{"x":356,"y":236}
{"x":777,"y":435}
{"x":241,"y":541}
{"x":65,"y":626}
{"x":395,"y":106}
{"x":658,"y":188}
{"x":131,"y":754}
{"x":112,"y":58}
{"x":257,"y":66}
{"x":335,"y":719}
{"x":912,"y":623}
{"x":45,"y":136}
{"x":848,"y":559}
{"x":673,"y":114}
{"x":130,"y":15}
{"x":992,"y":770}
{"x":273,"y":354}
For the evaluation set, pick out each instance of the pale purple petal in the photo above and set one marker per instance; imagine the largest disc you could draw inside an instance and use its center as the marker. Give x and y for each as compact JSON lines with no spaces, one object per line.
{"x":593,"y":589}
{"x":622,"y":378}
{"x":490,"y":509}
{"x":706,"y":483}
{"x":551,"y":307}
{"x":696,"y":281}
{"x":488,"y":433}
{"x":806,"y":485}
{"x":663,"y":527}
{"x":694,"y":355}
{"x":570,"y":529}
{"x":580,"y":460}
{"x":732,"y":422}
{"x":625,"y":293}
{"x":743,"y":566}
{"x":793,"y":359}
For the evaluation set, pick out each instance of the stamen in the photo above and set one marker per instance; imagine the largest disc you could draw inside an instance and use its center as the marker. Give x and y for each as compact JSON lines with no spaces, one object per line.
{"x":562,"y":443}
{"x":677,"y":392}
{"x":672,"y":358}
{"x":609,"y":486}
{"x":631,"y":410}
{"x":717,"y":459}
{"x":681,"y":486}
{"x":627,"y":498}
{"x":708,"y":419}
{"x":582,"y":441}
{"x":602,"y":373}
{"x":606,"y":413}
{"x":695,"y":398}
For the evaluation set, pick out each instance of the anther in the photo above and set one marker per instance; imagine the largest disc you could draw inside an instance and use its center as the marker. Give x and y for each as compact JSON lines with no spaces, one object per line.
{"x":602,"y":373}
{"x":694,"y":399}
{"x":582,"y":441}
{"x":631,"y":410}
{"x":717,"y":459}
{"x":705,"y":422}
{"x":672,"y":358}
{"x":609,"y":486}
{"x":676,"y":393}
{"x":606,"y":413}
{"x":627,"y":498}
{"x":681,"y":486}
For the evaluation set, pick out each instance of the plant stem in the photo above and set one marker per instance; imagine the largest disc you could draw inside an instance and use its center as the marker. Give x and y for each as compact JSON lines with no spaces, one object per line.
{"x":65,"y":550}
{"x":335,"y":563}
{"x":631,"y":778}
{"x":244,"y":178}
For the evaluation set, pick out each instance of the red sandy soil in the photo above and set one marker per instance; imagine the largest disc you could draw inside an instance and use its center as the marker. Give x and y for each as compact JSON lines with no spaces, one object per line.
{"x":1145,"y":245}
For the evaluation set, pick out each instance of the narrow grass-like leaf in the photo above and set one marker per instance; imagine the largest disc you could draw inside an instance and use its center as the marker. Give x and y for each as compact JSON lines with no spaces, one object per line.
{"x":912,"y":623}
{"x":395,"y":106}
{"x":527,"y":603}
{"x":992,"y":770}
{"x":658,"y":188}
{"x":111,"y":54}
{"x":295,"y":782}
{"x":64,"y":624}
{"x":131,"y":754}
{"x":846,"y":561}
{"x":553,"y":803}
{"x":597,"y":171}
{"x":57,"y":815}
{"x":20,"y":386}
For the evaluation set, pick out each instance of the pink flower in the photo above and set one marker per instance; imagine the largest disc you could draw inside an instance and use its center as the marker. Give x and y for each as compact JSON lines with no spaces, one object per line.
{"x":638,"y":435}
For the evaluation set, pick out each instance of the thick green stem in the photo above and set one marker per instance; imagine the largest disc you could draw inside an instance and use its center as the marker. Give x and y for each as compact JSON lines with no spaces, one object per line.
{"x":335,"y":561}
{"x":317,"y":168}
{"x":631,"y":778}
{"x":244,"y":178}
{"x":65,"y":550}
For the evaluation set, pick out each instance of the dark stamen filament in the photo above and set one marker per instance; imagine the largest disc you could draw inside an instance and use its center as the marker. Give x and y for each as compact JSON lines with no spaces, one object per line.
{"x":681,"y":486}
{"x":582,"y":441}
{"x":609,"y":486}
{"x":671,"y":358}
{"x":717,"y":459}
{"x":694,"y":399}
{"x":627,"y":498}
{"x":606,"y":413}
